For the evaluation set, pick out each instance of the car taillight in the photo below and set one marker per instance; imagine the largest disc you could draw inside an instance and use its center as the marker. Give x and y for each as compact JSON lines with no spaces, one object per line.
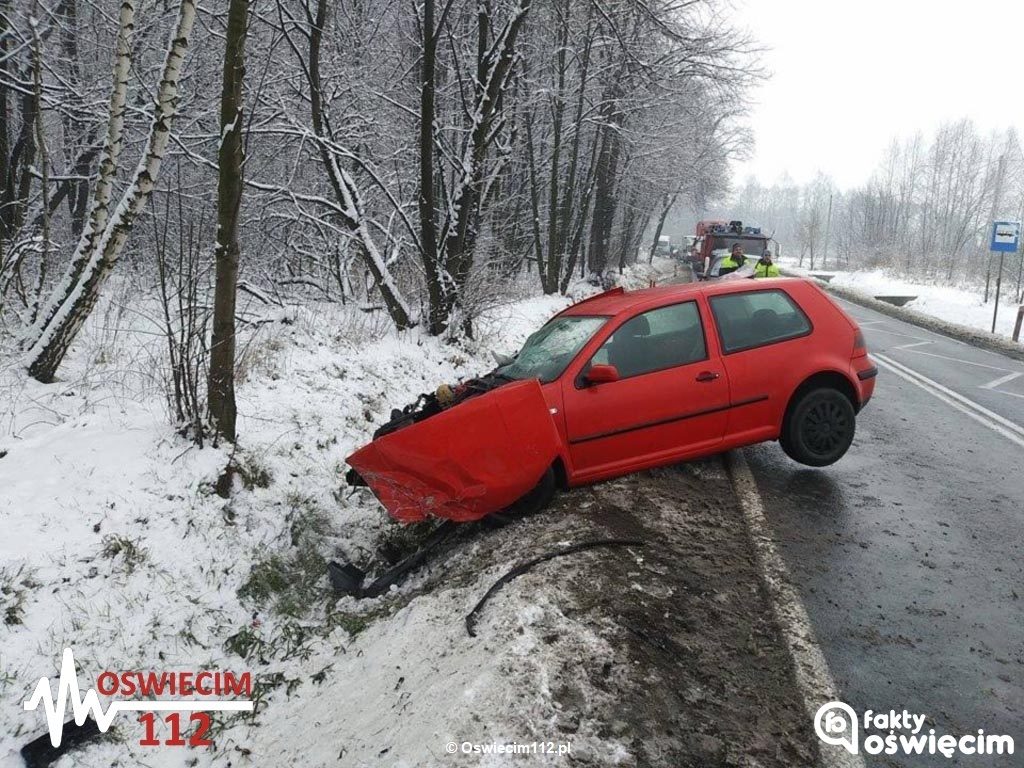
{"x":860,"y":347}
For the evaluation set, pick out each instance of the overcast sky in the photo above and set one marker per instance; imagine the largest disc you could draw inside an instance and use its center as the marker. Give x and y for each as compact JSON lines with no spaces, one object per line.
{"x":846,"y":77}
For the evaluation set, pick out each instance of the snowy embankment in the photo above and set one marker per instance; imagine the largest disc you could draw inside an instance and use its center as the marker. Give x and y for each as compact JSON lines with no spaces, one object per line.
{"x":952,"y":304}
{"x":117,"y":546}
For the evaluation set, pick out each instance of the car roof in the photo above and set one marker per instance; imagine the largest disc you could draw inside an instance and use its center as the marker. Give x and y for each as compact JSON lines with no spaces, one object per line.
{"x":618,"y":301}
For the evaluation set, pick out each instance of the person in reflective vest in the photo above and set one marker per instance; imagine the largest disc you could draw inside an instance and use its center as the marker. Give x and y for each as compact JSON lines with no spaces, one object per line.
{"x":733,"y":261}
{"x":765,"y":268}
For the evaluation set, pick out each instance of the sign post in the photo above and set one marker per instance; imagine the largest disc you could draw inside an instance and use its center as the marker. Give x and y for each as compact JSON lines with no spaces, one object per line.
{"x":1005,"y":239}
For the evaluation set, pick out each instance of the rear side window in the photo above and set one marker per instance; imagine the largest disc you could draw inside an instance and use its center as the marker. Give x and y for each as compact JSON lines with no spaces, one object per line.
{"x":756,"y":318}
{"x":662,"y":338}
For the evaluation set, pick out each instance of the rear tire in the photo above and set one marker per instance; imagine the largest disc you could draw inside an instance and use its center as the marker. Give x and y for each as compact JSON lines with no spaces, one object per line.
{"x":819,"y":427}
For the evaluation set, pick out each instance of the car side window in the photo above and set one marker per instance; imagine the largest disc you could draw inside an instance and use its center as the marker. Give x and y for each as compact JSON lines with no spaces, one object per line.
{"x":756,"y":318}
{"x":662,"y":338}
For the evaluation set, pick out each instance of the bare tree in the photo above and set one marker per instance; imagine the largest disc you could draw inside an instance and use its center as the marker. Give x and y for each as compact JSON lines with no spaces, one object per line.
{"x":221,"y":386}
{"x":449,"y":231}
{"x":410,"y":158}
{"x":350,"y":203}
{"x":94,"y":259}
{"x":924,"y":211}
{"x":100,"y":211}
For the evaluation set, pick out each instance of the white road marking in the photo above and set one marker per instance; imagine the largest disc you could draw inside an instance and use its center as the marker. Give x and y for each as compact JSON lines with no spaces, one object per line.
{"x":920,"y":341}
{"x":1008,"y":429}
{"x":897,"y":333}
{"x":915,"y":344}
{"x":954,"y":359}
{"x":1002,"y":380}
{"x":852,"y":306}
{"x":813,"y":677}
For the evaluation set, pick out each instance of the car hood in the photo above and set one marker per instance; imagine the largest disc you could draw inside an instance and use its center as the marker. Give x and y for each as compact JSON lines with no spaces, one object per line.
{"x":465,"y":462}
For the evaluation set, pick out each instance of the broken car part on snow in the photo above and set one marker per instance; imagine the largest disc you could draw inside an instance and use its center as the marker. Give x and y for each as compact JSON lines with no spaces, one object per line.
{"x":348,"y":579}
{"x":40,"y":753}
{"x":519,"y":570}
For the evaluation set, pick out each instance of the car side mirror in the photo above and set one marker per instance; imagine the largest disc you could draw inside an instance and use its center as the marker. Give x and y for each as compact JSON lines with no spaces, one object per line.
{"x":602,"y":374}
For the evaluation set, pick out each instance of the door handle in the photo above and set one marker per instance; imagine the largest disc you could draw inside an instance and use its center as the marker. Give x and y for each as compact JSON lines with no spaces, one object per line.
{"x":707,"y":375}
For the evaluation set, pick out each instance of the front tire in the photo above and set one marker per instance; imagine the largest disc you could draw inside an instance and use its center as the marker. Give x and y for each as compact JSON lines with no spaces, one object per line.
{"x":819,"y":427}
{"x":531,"y":502}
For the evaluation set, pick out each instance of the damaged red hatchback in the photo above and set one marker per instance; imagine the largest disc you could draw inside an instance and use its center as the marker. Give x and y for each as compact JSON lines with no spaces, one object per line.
{"x":624,"y":381}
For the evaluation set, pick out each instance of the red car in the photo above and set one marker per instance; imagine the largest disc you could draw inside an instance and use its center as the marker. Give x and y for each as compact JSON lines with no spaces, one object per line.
{"x":628,"y":380}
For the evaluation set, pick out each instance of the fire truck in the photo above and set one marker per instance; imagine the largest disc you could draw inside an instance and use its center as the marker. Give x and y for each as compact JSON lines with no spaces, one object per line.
{"x":715,"y":239}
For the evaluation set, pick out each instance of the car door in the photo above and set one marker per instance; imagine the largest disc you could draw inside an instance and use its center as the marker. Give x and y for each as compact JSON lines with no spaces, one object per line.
{"x":766,"y":343}
{"x":669,"y":401}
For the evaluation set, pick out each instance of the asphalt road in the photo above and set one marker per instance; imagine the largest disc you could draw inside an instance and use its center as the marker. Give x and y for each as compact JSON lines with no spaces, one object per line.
{"x":909,"y":553}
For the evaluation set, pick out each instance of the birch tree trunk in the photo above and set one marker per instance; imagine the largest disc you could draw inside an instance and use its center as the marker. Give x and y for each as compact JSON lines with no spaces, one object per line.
{"x":100,"y":212}
{"x":221,"y":384}
{"x":68,"y":313}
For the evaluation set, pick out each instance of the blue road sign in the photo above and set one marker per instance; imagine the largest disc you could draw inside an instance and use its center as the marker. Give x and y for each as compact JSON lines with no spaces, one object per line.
{"x":1005,"y":237}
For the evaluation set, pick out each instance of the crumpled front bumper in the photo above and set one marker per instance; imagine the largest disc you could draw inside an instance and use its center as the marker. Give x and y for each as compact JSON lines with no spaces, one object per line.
{"x":466,"y":462}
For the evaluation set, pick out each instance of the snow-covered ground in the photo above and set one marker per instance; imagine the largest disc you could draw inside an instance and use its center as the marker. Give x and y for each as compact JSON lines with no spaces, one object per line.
{"x":954,"y":304}
{"x":116,"y":545}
